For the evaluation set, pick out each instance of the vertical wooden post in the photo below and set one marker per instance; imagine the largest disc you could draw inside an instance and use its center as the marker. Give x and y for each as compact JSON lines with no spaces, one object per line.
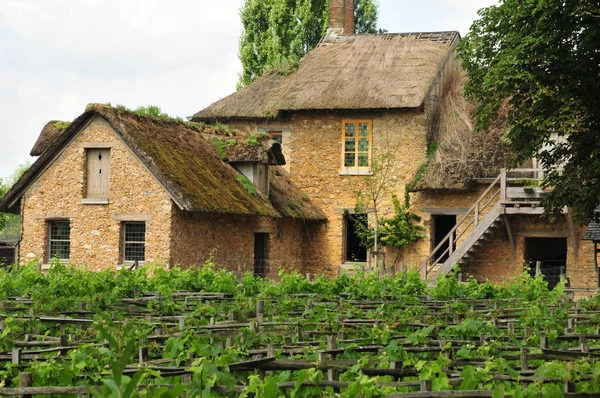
{"x":260,"y":307}
{"x":538,"y":268}
{"x":524,"y":359}
{"x":393,"y":366}
{"x":25,"y":380}
{"x":543,"y":342}
{"x":426,"y":385}
{"x":503,"y":186}
{"x":143,"y":354}
{"x":16,"y":356}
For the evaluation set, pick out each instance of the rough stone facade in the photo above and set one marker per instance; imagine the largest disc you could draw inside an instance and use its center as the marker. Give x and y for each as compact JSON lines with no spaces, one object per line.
{"x":95,"y":228}
{"x":313,"y":149}
{"x":229,"y":240}
{"x":498,"y":263}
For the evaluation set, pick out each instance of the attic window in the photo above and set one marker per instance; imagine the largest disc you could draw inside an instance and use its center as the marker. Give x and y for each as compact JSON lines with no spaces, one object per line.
{"x":356,"y":141}
{"x":276,"y":136}
{"x":98,"y":173}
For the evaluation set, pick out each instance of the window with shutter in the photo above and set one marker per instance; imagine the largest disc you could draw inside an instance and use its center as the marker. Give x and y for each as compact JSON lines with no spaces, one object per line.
{"x":98,"y":172}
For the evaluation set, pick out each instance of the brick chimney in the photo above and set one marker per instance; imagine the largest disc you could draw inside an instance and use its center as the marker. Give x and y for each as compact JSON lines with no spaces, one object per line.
{"x":341,"y":15}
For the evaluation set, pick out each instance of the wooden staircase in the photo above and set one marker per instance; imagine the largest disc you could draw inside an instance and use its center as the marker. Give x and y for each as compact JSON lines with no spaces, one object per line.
{"x":487,"y":215}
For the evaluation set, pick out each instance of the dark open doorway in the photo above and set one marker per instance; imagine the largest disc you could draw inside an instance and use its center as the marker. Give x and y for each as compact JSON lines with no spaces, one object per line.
{"x":552,"y":254}
{"x":260,"y":255}
{"x":442,"y":225}
{"x":353,"y":251}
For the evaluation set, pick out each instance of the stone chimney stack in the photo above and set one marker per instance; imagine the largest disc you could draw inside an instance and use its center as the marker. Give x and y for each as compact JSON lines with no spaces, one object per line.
{"x":341,"y":15}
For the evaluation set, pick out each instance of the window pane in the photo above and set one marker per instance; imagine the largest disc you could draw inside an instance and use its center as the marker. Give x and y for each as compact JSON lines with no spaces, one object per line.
{"x":363,"y":144}
{"x":350,"y":130}
{"x":363,"y":129}
{"x":134,"y":251}
{"x":363,"y":160}
{"x":60,"y":240}
{"x":350,"y":145}
{"x":277,"y":136}
{"x":135,"y":241}
{"x":349,"y":160}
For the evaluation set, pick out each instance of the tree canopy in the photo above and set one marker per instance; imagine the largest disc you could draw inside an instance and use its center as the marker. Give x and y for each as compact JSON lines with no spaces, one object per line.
{"x":539,"y":61}
{"x":282,"y":31}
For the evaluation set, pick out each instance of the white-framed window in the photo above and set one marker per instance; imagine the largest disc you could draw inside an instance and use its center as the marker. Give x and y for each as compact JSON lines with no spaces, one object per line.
{"x":134,"y":241}
{"x":98,"y":173}
{"x":356,"y":144}
{"x":59,"y":240}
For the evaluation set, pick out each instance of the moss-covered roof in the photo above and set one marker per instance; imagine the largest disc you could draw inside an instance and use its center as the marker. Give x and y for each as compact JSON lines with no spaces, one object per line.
{"x":289,"y":199}
{"x":179,"y":155}
{"x":51,"y":131}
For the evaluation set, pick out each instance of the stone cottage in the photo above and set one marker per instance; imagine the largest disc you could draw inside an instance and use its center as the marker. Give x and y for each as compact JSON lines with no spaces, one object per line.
{"x":115,"y":188}
{"x":355,"y":97}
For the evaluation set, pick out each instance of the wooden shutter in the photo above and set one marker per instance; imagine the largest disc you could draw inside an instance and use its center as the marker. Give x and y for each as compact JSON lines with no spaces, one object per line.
{"x":98,"y":172}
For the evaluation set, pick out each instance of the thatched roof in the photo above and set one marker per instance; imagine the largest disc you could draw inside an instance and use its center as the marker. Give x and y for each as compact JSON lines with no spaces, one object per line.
{"x":180,"y":156}
{"x":49,"y":134}
{"x":359,"y":72}
{"x":236,"y":146}
{"x":289,"y":200}
{"x":592,"y":232}
{"x":459,"y":154}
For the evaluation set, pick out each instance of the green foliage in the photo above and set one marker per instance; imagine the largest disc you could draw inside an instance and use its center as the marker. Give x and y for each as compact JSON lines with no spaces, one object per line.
{"x":254,"y":137}
{"x":247,"y":184}
{"x":538,"y":61}
{"x":221,"y":128}
{"x":221,"y":144}
{"x":403,"y":325}
{"x":61,"y":126}
{"x":401,"y":229}
{"x":10,"y":223}
{"x":278,"y":33}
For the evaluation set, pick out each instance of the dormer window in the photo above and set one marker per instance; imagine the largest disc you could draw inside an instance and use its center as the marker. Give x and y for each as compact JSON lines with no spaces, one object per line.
{"x":276,"y":136}
{"x":97,"y":175}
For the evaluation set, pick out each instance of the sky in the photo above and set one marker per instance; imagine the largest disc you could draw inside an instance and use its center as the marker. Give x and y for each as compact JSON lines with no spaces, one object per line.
{"x":56,"y":56}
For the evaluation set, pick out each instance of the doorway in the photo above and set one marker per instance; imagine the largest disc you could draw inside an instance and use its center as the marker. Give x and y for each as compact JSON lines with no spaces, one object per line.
{"x":353,"y":251}
{"x":552,"y":255}
{"x":441,"y":226}
{"x":260,"y":255}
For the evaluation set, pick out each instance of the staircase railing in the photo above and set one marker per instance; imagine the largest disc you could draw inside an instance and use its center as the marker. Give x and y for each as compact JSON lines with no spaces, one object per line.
{"x":486,"y":200}
{"x":471,"y":217}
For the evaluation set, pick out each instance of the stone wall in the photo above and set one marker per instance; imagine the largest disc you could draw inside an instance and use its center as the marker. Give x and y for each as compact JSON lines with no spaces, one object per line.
{"x":498,"y":263}
{"x":229,"y":239}
{"x":316,"y":163}
{"x":95,"y":228}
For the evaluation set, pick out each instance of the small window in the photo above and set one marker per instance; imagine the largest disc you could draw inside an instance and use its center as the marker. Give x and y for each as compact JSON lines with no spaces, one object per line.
{"x":134,"y":241}
{"x":276,"y":136}
{"x":59,"y":244}
{"x":98,"y":172}
{"x":356,"y":138}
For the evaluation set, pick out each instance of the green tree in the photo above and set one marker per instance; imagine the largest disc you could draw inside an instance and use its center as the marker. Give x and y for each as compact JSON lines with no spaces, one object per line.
{"x":282,"y":31}
{"x":9,"y":222}
{"x":538,"y":60}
